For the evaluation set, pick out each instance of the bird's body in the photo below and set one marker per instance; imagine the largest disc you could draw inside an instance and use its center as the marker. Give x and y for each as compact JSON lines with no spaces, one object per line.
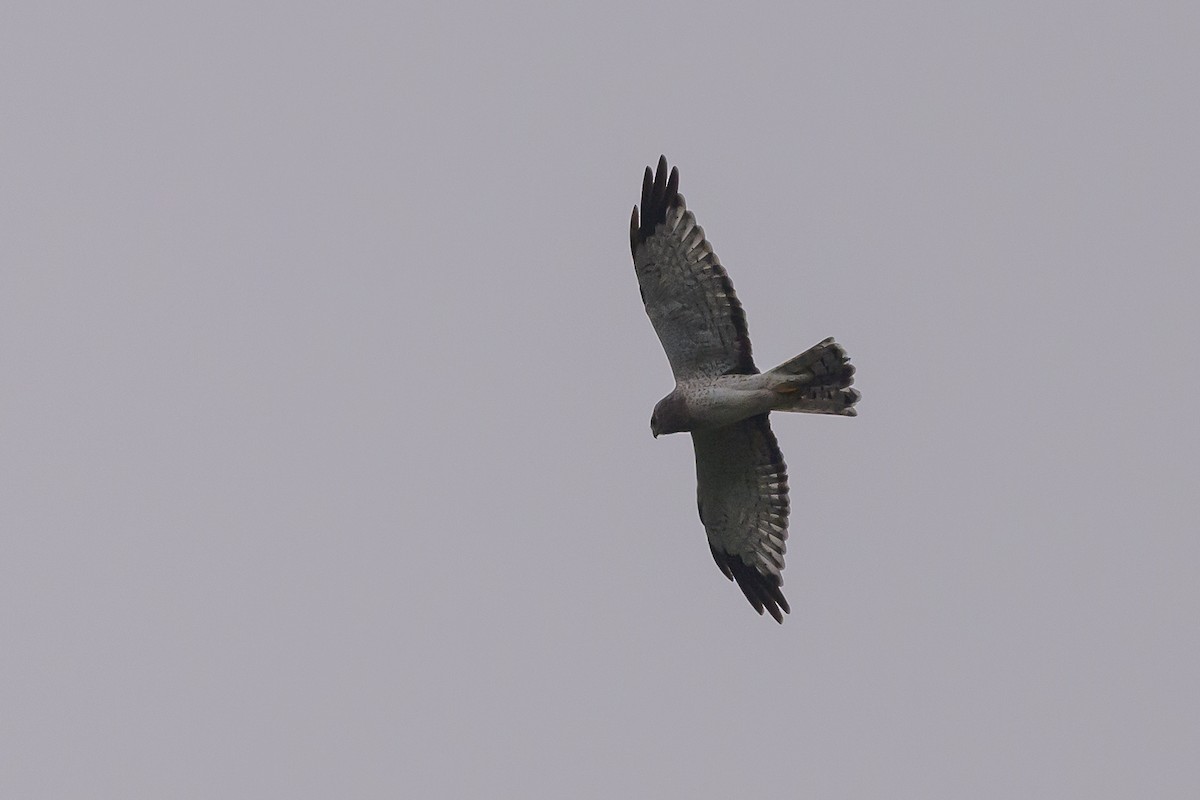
{"x":720,"y":397}
{"x":703,"y":403}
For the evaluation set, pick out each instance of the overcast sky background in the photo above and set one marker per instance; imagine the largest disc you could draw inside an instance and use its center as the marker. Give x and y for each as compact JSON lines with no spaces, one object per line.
{"x":327,"y":468}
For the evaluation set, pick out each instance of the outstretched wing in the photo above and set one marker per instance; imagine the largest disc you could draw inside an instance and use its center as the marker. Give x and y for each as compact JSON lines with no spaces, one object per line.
{"x":687,"y":293}
{"x":742,"y":494}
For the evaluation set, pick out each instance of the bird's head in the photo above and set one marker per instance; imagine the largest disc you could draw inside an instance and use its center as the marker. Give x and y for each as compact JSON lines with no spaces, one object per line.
{"x":669,"y":416}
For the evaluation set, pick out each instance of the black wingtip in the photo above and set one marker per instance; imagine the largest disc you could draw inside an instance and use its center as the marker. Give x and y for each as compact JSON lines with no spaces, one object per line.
{"x":647,"y":189}
{"x":633,"y":231}
{"x":660,"y":193}
{"x":764,"y":592}
{"x":660,"y":178}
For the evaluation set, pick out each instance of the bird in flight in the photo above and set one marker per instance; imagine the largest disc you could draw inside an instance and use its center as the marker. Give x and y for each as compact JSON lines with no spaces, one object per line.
{"x":720,"y":397}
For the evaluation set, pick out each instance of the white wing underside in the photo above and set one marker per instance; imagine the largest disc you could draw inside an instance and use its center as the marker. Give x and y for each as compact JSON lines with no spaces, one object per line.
{"x":688,"y":295}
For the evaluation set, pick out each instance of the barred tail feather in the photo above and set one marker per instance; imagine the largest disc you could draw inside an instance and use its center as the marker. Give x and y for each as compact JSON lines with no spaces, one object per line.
{"x":816,"y":382}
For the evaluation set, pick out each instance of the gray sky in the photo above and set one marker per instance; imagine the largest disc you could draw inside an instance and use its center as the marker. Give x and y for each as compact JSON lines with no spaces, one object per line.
{"x":327,"y":468}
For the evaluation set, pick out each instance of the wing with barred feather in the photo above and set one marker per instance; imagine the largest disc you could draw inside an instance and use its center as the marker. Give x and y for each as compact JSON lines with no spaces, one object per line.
{"x":742,"y":494}
{"x":687,"y":292}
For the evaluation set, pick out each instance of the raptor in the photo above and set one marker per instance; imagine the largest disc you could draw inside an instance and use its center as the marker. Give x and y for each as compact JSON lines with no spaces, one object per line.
{"x":720,"y":397}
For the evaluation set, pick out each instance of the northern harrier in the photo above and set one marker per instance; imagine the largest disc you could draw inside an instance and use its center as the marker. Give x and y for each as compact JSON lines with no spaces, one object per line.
{"x":720,"y":397}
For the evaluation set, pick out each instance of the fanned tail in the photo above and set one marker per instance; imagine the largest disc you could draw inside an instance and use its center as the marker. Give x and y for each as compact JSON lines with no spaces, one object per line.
{"x":816,"y":382}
